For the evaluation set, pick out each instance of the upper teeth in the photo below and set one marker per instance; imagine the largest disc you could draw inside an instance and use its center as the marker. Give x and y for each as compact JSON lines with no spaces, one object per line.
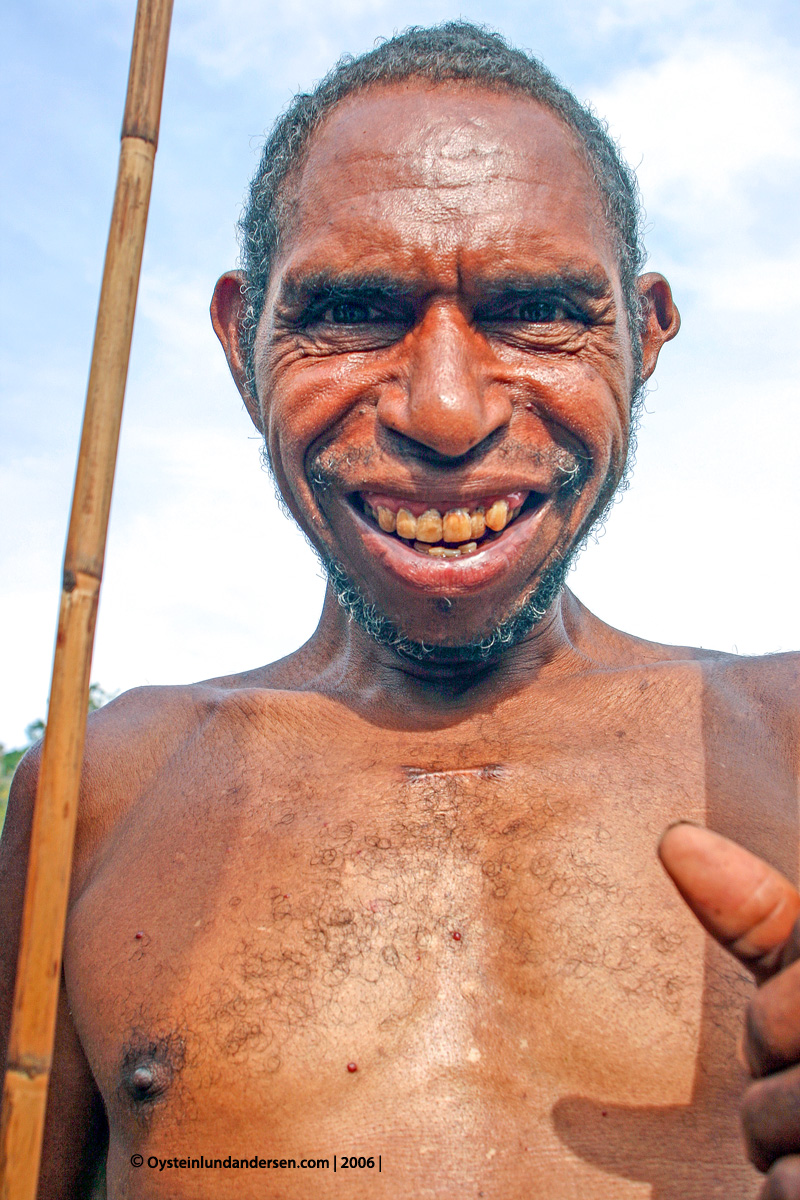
{"x":456,"y":526}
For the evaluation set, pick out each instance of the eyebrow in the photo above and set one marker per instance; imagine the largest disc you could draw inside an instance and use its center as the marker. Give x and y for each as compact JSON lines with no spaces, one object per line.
{"x":298,"y":292}
{"x":301,"y":291}
{"x":592,"y":285}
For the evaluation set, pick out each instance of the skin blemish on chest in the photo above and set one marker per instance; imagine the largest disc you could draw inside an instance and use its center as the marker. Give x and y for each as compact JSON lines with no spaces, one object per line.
{"x":491,"y":771}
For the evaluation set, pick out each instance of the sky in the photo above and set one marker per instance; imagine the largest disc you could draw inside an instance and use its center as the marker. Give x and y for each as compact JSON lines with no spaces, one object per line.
{"x":204,"y":575}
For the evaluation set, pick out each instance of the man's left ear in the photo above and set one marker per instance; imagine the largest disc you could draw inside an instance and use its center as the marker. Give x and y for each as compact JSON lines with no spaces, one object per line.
{"x":660,"y":318}
{"x":226,"y":313}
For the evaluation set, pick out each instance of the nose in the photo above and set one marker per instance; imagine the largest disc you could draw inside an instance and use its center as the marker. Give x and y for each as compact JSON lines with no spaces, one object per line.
{"x":446,"y":403}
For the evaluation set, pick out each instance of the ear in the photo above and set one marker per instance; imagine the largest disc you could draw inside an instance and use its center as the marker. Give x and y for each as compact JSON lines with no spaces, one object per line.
{"x":227,"y":305}
{"x":660,"y":318}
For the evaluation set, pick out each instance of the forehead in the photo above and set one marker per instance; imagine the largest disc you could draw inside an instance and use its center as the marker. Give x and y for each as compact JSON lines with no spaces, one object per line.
{"x":445,"y":179}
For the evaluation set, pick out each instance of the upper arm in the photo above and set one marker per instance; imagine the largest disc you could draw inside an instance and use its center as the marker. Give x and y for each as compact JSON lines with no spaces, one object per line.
{"x":74,"y":1140}
{"x":127,"y":743}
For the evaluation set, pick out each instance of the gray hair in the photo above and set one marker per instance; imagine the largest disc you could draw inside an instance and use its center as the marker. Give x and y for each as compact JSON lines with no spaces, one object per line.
{"x":455,"y":50}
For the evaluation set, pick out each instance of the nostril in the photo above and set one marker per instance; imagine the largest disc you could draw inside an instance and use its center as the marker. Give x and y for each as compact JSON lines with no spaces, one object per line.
{"x":448,"y":428}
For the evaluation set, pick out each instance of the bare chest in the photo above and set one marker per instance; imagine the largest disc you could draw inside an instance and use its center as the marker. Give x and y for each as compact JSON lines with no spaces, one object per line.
{"x":481,"y":929}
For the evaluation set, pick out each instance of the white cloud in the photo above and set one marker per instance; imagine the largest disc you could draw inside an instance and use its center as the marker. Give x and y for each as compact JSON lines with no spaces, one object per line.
{"x":292,"y":44}
{"x":703,"y":119}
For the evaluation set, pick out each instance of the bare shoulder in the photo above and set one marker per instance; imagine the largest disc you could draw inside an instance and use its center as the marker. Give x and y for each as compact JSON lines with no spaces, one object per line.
{"x":148,"y":730}
{"x":153,"y":731}
{"x":764,"y":688}
{"x":753,"y":697}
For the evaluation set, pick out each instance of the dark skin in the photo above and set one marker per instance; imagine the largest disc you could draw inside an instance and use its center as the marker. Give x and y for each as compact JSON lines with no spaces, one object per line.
{"x":441,"y":873}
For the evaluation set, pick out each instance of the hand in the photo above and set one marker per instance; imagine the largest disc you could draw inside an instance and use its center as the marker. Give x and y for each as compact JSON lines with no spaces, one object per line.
{"x":754,"y":913}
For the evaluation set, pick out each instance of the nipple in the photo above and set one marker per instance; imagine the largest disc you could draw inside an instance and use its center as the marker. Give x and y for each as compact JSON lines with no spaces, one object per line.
{"x":149,"y":1067}
{"x":142,"y":1082}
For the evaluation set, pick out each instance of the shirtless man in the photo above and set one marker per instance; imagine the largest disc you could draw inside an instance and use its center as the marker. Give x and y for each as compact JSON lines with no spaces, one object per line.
{"x":398,"y":895}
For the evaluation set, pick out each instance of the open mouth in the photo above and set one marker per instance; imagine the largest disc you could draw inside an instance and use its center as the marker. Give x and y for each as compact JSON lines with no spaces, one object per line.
{"x":446,"y":529}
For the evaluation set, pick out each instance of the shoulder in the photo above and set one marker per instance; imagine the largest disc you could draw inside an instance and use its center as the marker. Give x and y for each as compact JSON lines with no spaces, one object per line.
{"x":149,"y":730}
{"x":749,"y":707}
{"x":768,"y":682}
{"x":135,"y":739}
{"x":758,"y":695}
{"x":152,"y":731}
{"x":763,"y":688}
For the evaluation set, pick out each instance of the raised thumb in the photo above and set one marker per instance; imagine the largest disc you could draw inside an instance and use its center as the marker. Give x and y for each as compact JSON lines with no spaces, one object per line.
{"x":748,"y":906}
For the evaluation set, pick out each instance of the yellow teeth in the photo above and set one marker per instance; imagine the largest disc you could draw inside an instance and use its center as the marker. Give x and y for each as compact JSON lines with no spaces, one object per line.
{"x":460,"y":527}
{"x":497,"y":515}
{"x":456,"y":525}
{"x":477,"y":523}
{"x":429,"y":526}
{"x":386,"y":519}
{"x":406,"y":524}
{"x":445,"y":551}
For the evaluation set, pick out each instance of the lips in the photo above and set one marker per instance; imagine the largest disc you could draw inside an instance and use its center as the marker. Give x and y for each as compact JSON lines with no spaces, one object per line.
{"x":455,"y":574}
{"x":443,"y":568}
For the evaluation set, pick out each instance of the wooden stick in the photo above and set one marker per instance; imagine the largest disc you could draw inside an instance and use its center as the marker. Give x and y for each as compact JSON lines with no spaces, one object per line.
{"x":30,"y":1050}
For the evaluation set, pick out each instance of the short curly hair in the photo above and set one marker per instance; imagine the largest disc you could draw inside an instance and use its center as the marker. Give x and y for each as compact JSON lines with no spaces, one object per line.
{"x":455,"y":50}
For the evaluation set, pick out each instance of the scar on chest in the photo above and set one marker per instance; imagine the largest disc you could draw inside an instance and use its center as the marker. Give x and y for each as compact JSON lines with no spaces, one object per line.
{"x":149,"y":1067}
{"x":488,"y":771}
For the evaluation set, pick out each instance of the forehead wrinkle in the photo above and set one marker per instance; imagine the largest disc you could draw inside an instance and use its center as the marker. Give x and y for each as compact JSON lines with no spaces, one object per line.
{"x":397,"y":172}
{"x":411,"y":268}
{"x":401,"y":234}
{"x":383,"y":130}
{"x":382,"y":163}
{"x":416,"y":218}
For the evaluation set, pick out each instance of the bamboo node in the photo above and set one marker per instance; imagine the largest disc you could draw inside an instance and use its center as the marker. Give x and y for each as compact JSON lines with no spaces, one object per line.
{"x":82,"y":581}
{"x":29,"y":1065}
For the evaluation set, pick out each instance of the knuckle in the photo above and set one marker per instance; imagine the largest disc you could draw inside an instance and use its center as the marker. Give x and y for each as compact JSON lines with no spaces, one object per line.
{"x":783,"y":1180}
{"x":758,"y":1047}
{"x":770,"y":1116}
{"x":756,"y":1126}
{"x":791,"y":952}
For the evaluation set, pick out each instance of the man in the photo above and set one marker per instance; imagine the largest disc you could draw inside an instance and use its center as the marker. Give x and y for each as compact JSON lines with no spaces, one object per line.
{"x":396,"y":898}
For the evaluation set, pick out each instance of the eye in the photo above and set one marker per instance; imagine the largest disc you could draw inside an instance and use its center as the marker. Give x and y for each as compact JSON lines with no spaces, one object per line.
{"x":349,"y":312}
{"x":542,"y":311}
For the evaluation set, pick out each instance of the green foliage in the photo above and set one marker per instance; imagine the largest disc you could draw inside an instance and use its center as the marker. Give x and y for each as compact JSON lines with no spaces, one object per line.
{"x":97,"y":698}
{"x":34,"y":732}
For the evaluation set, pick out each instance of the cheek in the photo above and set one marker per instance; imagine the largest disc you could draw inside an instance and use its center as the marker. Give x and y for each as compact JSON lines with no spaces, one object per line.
{"x":307,"y":402}
{"x":584,"y":408}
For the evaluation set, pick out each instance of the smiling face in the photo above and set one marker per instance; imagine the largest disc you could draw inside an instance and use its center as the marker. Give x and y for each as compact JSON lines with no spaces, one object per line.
{"x":443,"y":363}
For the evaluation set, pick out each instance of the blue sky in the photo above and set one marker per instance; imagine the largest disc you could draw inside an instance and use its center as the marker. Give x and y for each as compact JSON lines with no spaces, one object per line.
{"x":204,"y":575}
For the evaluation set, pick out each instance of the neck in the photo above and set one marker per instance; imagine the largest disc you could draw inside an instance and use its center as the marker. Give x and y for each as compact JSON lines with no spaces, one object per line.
{"x":370,"y":674}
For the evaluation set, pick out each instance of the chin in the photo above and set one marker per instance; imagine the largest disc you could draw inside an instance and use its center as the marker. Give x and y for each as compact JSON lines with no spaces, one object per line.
{"x":481,"y":647}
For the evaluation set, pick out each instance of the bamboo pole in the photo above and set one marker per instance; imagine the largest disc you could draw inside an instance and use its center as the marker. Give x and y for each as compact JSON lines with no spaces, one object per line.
{"x":30,"y":1049}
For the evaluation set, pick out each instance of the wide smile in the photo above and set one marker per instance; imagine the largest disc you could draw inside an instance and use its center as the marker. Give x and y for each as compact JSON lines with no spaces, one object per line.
{"x":448,"y":545}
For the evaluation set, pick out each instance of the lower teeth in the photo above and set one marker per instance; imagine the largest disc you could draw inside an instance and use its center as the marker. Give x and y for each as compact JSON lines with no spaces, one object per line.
{"x":445,"y":551}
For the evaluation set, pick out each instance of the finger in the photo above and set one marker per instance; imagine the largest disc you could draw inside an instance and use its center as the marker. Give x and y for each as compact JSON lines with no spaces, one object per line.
{"x":772,"y":1030}
{"x":745,"y":904}
{"x":771,"y":1118}
{"x":791,"y":951}
{"x":783,"y":1180}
